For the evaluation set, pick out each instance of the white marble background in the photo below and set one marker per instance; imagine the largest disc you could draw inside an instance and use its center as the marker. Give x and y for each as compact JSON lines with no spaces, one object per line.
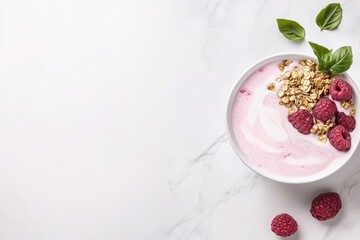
{"x":112,"y":120}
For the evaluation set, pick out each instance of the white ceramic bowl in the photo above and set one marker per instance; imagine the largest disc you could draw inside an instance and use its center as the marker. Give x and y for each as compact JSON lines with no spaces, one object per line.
{"x":334,"y":166}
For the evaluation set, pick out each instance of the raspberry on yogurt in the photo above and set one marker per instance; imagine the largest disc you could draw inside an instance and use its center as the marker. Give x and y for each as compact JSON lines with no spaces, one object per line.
{"x":346,"y":121}
{"x":340,"y":138}
{"x":324,"y":109}
{"x":341,"y":90}
{"x":302,"y":120}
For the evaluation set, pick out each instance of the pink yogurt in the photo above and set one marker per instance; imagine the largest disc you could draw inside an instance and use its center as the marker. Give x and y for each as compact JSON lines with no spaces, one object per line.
{"x":267,"y":138}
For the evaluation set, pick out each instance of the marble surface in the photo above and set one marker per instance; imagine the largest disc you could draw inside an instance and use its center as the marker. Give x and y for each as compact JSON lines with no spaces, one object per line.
{"x":112,"y":120}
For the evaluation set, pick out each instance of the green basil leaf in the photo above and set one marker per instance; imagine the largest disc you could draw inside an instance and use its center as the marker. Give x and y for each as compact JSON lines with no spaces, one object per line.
{"x":341,"y":60}
{"x":330,"y":17}
{"x":291,"y":29}
{"x":323,"y":55}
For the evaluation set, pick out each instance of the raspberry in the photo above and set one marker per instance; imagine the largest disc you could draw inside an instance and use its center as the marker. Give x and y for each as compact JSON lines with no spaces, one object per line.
{"x":346,"y":121}
{"x":325,"y":206}
{"x":284,"y":225}
{"x":302,"y":120}
{"x":341,"y":90}
{"x":324,"y":109}
{"x":340,"y":138}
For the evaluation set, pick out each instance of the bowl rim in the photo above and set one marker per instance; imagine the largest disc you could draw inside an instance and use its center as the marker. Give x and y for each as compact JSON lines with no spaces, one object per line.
{"x":229,"y":130}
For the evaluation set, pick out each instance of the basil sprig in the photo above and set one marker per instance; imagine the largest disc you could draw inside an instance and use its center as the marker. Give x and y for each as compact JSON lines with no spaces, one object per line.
{"x":330,"y":17}
{"x":337,"y":62}
{"x":291,"y":29}
{"x":323,"y":55}
{"x":341,"y":60}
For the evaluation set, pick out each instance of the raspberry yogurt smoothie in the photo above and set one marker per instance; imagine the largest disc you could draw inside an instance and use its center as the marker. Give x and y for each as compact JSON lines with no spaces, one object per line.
{"x":264,"y":133}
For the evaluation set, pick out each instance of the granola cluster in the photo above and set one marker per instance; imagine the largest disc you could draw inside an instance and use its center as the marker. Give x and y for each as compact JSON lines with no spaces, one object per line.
{"x":321,"y":129}
{"x":302,"y":88}
{"x":349,"y":105}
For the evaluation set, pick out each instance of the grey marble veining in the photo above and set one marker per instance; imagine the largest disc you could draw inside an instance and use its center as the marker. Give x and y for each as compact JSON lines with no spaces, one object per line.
{"x":198,"y":222}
